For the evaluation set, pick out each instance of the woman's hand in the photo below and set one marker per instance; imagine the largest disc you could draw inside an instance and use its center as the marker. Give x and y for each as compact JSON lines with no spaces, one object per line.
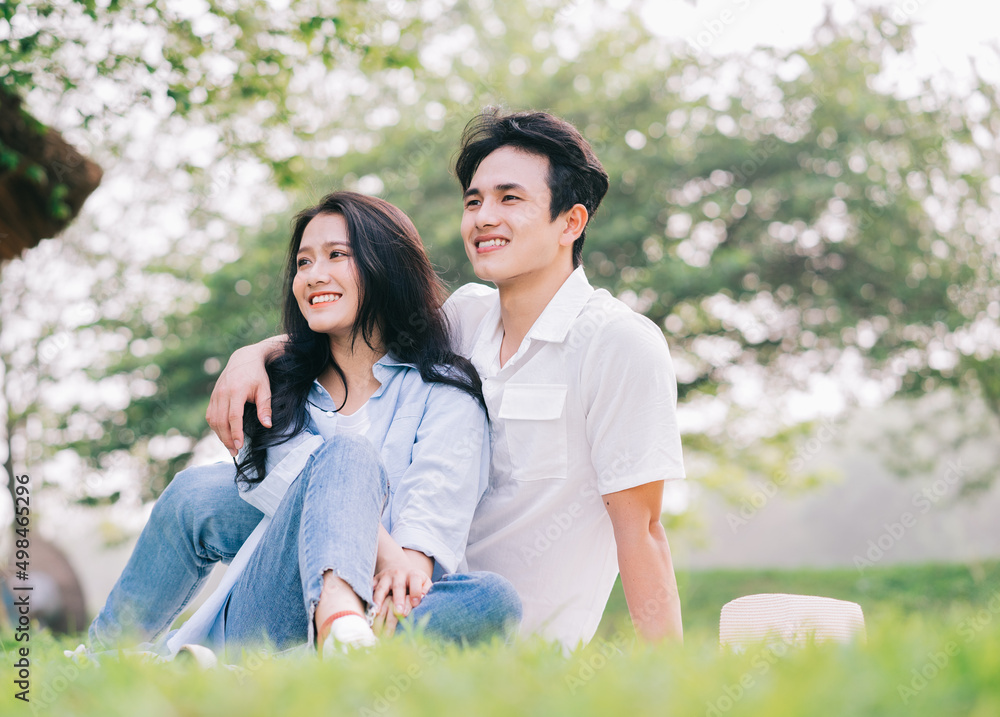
{"x":407,"y":586}
{"x":244,"y":379}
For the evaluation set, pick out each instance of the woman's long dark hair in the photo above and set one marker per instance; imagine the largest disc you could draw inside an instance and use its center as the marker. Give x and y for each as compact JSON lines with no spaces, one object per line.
{"x":400,"y":305}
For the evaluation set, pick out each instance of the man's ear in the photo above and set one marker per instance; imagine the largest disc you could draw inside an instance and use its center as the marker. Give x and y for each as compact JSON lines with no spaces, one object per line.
{"x":575,"y":221}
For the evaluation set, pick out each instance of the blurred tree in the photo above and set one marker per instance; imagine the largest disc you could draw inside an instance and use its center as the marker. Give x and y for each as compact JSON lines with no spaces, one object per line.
{"x":239,"y":304}
{"x":784,"y":216}
{"x":253,"y":78}
{"x":245,"y":68}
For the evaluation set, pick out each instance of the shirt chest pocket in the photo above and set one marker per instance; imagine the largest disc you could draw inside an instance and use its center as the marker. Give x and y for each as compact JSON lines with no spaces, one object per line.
{"x":397,"y":450}
{"x":534,"y":419}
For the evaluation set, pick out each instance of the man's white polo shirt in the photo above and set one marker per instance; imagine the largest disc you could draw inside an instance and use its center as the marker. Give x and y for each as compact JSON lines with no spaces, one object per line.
{"x":586,"y":406}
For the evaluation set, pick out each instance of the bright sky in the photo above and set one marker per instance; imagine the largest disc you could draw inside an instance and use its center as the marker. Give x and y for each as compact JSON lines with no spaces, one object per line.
{"x":946,"y":32}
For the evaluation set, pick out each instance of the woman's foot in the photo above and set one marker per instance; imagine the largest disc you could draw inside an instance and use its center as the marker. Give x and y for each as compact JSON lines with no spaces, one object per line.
{"x":345,"y":631}
{"x":339,"y":618}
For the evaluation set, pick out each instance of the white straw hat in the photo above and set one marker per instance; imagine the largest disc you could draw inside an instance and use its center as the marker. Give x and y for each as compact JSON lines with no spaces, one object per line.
{"x":791,"y":619}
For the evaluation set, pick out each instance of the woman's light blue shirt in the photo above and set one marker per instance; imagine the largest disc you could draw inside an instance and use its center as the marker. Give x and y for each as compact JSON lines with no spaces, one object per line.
{"x":434,"y":442}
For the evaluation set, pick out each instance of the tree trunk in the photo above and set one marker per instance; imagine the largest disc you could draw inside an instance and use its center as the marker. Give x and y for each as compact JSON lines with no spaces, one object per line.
{"x":43,"y":180}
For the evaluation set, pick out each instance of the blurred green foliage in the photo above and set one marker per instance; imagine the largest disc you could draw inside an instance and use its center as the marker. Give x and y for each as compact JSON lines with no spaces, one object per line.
{"x":193,"y":345}
{"x":213,"y":62}
{"x":782,"y":212}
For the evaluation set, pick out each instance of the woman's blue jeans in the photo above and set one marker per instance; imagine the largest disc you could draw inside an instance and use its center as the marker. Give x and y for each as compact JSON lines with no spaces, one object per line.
{"x":328,"y":520}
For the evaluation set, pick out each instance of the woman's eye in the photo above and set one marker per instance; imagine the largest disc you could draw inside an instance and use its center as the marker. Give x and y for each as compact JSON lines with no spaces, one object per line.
{"x":301,"y":262}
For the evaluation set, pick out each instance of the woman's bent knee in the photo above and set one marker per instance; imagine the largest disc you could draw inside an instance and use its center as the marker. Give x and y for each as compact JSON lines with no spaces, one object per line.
{"x":496,"y":603}
{"x":500,"y":597}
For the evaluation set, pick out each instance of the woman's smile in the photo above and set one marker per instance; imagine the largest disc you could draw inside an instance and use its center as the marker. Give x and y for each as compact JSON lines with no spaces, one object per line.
{"x":323,"y":298}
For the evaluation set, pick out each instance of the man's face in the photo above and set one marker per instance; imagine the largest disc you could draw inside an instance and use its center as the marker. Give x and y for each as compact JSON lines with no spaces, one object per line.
{"x":506,"y":225}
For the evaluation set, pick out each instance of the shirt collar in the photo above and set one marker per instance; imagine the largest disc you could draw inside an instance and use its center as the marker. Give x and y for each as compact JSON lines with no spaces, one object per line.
{"x":384,"y":369}
{"x":320,"y":397}
{"x":390,"y":361}
{"x":555,"y":320}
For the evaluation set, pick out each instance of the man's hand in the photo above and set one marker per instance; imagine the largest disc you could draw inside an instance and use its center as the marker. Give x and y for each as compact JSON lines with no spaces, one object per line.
{"x":644,"y":561}
{"x":385,"y":621}
{"x":244,"y":379}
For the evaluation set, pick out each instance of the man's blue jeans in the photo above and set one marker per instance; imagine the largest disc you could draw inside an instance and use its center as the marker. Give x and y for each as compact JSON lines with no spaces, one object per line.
{"x":328,"y":519}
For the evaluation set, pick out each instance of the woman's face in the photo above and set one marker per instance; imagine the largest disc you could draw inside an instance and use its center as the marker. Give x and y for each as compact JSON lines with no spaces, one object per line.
{"x":326,"y":283}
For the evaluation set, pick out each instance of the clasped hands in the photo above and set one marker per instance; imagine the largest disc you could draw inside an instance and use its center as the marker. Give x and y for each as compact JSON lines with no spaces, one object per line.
{"x":397,"y":590}
{"x":402,"y":578}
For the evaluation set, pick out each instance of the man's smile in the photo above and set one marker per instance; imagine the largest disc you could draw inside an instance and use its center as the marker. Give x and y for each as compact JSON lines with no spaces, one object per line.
{"x":490,"y":242}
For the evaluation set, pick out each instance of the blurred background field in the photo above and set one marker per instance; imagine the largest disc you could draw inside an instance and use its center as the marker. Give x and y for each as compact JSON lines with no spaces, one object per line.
{"x":930,"y":591}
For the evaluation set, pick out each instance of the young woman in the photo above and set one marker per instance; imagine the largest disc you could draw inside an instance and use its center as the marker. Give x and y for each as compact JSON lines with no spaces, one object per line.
{"x":375,"y":459}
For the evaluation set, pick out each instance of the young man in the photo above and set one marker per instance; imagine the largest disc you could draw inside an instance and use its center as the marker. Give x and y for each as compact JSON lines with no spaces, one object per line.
{"x":580,"y":390}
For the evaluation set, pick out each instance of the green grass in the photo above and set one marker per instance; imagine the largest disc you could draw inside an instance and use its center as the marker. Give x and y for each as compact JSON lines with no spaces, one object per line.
{"x":933,"y":649}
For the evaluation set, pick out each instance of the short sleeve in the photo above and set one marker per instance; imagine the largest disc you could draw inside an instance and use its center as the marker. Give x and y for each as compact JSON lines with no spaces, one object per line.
{"x":630,"y":395}
{"x":436,"y":496}
{"x":465,"y":309}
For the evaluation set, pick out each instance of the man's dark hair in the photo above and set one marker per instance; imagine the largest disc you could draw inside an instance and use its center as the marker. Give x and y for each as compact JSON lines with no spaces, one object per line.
{"x":575,"y":174}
